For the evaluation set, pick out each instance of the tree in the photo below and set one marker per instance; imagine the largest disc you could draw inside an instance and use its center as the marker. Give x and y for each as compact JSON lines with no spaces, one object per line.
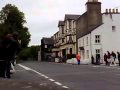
{"x":13,"y":20}
{"x":29,"y":53}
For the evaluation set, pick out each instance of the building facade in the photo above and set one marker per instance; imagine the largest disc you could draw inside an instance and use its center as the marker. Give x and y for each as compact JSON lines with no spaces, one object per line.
{"x":65,"y":38}
{"x":46,"y":49}
{"x":92,"y":34}
{"x":103,"y":31}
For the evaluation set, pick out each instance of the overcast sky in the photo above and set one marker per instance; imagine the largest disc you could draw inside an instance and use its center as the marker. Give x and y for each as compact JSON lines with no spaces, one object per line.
{"x":42,"y":16}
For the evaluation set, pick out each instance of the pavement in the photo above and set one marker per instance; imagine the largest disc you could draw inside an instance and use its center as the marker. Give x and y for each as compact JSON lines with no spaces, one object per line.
{"x":11,"y":84}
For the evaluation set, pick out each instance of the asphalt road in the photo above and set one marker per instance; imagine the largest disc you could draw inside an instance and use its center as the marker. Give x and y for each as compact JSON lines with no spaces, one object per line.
{"x":75,"y":77}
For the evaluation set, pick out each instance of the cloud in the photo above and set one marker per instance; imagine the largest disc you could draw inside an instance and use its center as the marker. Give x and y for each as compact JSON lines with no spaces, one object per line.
{"x":42,"y":16}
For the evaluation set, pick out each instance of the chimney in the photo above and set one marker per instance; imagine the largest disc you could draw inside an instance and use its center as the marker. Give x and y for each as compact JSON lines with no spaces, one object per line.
{"x":109,"y":10}
{"x":106,"y":11}
{"x":92,"y":0}
{"x":95,"y":0}
{"x":116,"y":10}
{"x":113,"y":10}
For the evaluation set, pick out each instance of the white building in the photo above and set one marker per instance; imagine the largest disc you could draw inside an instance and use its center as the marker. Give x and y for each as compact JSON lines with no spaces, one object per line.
{"x":102,"y":38}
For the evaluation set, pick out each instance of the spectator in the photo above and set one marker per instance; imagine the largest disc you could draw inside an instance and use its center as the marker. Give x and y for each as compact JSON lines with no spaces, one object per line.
{"x":78,"y":58}
{"x":10,"y":46}
{"x":105,"y":59}
{"x":92,"y":60}
{"x":118,"y":55}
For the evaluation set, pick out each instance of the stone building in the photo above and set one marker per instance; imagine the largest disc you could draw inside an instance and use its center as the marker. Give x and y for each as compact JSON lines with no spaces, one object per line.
{"x":65,"y":38}
{"x":46,"y":48}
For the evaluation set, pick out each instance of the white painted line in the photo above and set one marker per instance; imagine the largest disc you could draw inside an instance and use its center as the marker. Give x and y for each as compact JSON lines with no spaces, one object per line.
{"x":37,"y":72}
{"x":26,"y":68}
{"x":52,"y":80}
{"x":58,"y":83}
{"x":65,"y":87}
{"x":42,"y":75}
{"x":46,"y":77}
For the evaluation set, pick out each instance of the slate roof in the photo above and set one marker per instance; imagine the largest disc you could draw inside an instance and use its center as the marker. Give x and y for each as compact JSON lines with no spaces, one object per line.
{"x":61,"y":23}
{"x":48,"y":41}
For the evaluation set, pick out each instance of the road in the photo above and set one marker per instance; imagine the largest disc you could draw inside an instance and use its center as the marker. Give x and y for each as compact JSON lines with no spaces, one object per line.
{"x":74,"y":77}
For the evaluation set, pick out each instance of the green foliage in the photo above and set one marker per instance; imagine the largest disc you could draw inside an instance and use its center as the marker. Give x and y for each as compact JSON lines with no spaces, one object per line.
{"x":13,"y":20}
{"x":29,"y":53}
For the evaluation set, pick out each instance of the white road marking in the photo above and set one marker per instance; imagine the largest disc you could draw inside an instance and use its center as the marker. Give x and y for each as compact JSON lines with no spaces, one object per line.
{"x":52,"y":80}
{"x":46,"y":77}
{"x":58,"y":83}
{"x":65,"y":87}
{"x":26,"y":68}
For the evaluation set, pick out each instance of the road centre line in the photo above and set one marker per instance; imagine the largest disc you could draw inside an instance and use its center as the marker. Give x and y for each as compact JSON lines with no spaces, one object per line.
{"x":65,"y":87}
{"x":58,"y":83}
{"x":52,"y":80}
{"x":27,"y":68}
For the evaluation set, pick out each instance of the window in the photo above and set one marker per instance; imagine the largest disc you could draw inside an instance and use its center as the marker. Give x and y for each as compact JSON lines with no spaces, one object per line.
{"x":87,"y":40}
{"x":113,"y":28}
{"x":97,"y":38}
{"x":62,"y":29}
{"x":62,"y":40}
{"x":70,"y":24}
{"x":87,"y":54}
{"x":70,"y":50}
{"x":97,"y":51}
{"x":83,"y":41}
{"x":45,"y":46}
{"x":67,"y":38}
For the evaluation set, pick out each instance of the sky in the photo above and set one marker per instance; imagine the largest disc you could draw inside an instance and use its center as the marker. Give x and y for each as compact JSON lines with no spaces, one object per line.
{"x":42,"y":16}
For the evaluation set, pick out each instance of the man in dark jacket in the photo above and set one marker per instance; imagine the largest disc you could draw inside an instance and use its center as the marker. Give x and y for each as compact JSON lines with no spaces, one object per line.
{"x":10,"y":47}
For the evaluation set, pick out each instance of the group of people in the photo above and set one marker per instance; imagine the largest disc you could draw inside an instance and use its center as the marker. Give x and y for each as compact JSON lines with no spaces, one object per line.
{"x":9,"y":47}
{"x":110,"y":58}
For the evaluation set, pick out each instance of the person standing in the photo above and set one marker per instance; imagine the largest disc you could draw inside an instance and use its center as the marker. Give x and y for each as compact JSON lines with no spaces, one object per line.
{"x":92,"y":60}
{"x":108,"y":58}
{"x":17,"y":43}
{"x":78,"y":58}
{"x":10,"y":47}
{"x":113,"y":57}
{"x":105,"y":59}
{"x":2,"y":61}
{"x":118,"y":55}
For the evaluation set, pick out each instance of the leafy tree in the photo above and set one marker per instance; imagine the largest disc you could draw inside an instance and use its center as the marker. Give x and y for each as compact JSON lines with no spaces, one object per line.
{"x":13,"y":20}
{"x":29,"y":53}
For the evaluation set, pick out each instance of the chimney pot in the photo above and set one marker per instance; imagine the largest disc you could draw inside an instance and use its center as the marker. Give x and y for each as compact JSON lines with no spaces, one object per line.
{"x":116,"y":10}
{"x":113,"y":10}
{"x":106,"y":11}
{"x":109,"y":10}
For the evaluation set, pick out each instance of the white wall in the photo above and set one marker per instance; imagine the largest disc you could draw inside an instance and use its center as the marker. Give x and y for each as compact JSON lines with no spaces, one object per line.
{"x":110,"y":41}
{"x":82,"y":42}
